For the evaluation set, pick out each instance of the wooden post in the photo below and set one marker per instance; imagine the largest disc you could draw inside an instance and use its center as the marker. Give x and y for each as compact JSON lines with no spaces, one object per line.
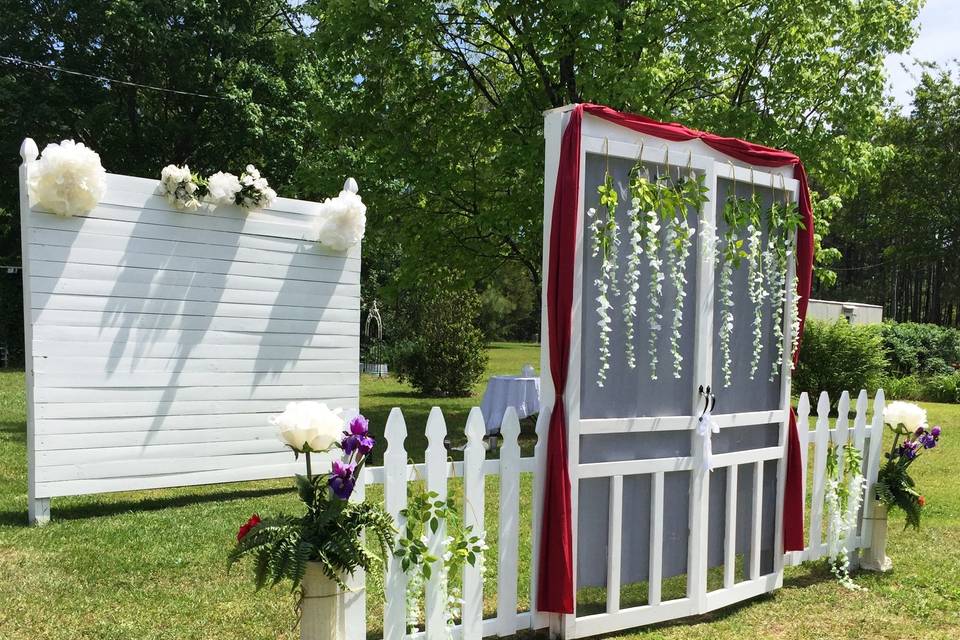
{"x":38,"y":509}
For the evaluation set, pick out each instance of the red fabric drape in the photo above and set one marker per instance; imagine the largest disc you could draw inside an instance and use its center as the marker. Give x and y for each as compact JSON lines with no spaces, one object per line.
{"x":555,"y":583}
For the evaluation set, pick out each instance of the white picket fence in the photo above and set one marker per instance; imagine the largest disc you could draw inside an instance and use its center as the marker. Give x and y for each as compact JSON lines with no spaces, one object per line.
{"x":820,"y":437}
{"x":396,"y":473}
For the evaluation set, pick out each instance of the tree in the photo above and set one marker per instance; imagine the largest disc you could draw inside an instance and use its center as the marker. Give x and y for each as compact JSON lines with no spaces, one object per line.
{"x":899,"y":236}
{"x":446,"y":107}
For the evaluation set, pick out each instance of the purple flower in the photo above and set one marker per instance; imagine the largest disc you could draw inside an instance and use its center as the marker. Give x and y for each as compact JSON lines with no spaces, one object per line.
{"x":928,"y":441}
{"x":359,"y":426}
{"x":342,"y":479}
{"x":935,"y":432}
{"x":358,"y":437}
{"x":920,"y":431}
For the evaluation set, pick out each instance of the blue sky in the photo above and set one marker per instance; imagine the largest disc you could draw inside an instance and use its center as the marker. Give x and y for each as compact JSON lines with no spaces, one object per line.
{"x":938,"y":41}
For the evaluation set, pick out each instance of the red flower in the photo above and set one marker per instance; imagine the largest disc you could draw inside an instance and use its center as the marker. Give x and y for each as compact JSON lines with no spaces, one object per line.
{"x":250,"y":524}
{"x":922,"y":500}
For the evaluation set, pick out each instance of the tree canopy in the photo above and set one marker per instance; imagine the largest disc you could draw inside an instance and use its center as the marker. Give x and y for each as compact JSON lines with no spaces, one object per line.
{"x":899,"y":236}
{"x":436,"y":106}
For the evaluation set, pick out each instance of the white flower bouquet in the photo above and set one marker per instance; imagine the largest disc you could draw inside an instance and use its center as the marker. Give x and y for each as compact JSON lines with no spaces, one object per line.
{"x":68,"y":179}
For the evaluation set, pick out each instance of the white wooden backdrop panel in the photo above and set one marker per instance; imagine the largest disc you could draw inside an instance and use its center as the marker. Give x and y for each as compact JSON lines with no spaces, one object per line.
{"x":159,"y":343}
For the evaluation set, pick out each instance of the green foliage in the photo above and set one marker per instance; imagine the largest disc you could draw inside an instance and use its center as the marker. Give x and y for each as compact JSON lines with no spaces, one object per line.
{"x":441,"y":350}
{"x":330,"y":533}
{"x":474,"y":78}
{"x":940,"y":388}
{"x":424,"y":514}
{"x":920,"y":349}
{"x":905,"y":388}
{"x":896,"y":488}
{"x":838,"y":356}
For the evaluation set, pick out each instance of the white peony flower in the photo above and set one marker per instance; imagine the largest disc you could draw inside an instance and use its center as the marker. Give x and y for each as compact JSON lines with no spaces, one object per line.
{"x":179,"y":188}
{"x":908,"y":414}
{"x":341,"y":221}
{"x":309,"y":426}
{"x":223,"y":187}
{"x":68,"y":179}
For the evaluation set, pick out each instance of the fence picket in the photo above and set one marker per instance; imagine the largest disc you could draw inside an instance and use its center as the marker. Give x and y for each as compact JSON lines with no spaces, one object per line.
{"x":873,"y":466}
{"x":355,"y":601}
{"x":436,"y":460}
{"x":395,"y":497}
{"x":614,"y":533}
{"x":842,"y":431}
{"x":757,"y":528}
{"x":508,"y":540}
{"x":730,"y":526}
{"x":819,"y":476}
{"x":473,"y":511}
{"x":655,"y":586}
{"x":539,"y":461}
{"x":859,"y":437}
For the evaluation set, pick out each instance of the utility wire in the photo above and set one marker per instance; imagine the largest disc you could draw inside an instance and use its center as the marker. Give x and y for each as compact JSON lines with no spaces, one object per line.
{"x":49,"y":67}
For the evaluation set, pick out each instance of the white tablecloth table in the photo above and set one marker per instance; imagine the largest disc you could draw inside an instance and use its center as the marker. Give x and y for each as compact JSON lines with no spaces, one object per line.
{"x":521,"y":393}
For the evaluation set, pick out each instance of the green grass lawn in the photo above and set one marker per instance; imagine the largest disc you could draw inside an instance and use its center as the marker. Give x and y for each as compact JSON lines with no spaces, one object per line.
{"x":150,"y":565}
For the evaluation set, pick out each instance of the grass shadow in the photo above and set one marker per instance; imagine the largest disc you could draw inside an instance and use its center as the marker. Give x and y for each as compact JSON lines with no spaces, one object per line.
{"x":93,"y":510}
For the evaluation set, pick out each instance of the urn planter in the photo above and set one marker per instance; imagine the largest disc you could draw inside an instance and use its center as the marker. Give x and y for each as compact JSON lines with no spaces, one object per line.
{"x":322,"y":608}
{"x":875,"y":558}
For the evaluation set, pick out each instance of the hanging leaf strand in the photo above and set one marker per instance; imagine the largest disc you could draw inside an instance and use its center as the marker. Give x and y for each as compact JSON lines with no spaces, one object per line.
{"x":606,"y":240}
{"x":642,"y":199}
{"x":731,"y":256}
{"x":756,"y":279}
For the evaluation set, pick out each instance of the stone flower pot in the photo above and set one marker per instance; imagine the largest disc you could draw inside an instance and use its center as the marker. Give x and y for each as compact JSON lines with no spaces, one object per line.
{"x":875,"y":558}
{"x":322,"y":609}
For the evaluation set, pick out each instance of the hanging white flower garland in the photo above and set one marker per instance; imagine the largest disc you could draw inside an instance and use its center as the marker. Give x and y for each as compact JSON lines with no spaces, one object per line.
{"x":605,"y":242}
{"x":730,"y":258}
{"x":655,"y":288}
{"x":755,"y":282}
{"x":632,"y":276}
{"x":842,"y":500}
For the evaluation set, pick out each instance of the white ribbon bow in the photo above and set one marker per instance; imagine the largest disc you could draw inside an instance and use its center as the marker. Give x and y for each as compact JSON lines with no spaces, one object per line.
{"x":706,"y":428}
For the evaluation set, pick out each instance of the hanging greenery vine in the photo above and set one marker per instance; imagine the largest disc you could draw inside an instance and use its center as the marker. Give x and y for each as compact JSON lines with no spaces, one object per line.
{"x":690,"y":192}
{"x":842,"y":500}
{"x":605,"y":242}
{"x":783,"y":222}
{"x":642,"y":199}
{"x":756,"y":278}
{"x":655,"y":287}
{"x":731,"y":256}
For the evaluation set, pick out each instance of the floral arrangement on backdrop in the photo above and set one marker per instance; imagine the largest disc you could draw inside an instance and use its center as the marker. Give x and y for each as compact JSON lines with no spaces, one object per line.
{"x":342,"y":220}
{"x":186,"y":190}
{"x":330,"y":532}
{"x":912,"y":437}
{"x":68,"y":179}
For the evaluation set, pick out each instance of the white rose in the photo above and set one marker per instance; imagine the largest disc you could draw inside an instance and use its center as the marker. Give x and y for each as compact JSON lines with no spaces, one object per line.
{"x":908,"y":414}
{"x":68,"y":179}
{"x":223,"y":187}
{"x":309,"y":426}
{"x":341,"y":221}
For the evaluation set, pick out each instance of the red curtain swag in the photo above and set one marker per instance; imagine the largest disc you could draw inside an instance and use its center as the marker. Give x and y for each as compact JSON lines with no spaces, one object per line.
{"x":555,"y":583}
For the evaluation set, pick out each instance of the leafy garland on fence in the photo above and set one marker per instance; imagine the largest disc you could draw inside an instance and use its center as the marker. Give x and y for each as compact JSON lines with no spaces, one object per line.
{"x":842,"y":500}
{"x":655,"y":286}
{"x":606,"y":240}
{"x":425,"y":511}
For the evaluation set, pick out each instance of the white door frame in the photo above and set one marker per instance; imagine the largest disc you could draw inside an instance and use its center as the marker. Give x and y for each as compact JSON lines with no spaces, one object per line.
{"x":601,"y":136}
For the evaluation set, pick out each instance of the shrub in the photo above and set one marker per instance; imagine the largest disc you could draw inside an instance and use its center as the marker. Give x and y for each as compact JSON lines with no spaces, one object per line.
{"x":920,"y":349}
{"x":441,"y":351}
{"x":839,"y":356}
{"x":942,"y":388}
{"x":905,"y":388}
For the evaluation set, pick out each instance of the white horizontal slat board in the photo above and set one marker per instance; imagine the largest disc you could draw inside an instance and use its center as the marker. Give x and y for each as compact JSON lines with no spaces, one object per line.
{"x":255,"y":252}
{"x":162,"y":342}
{"x":76,"y":255}
{"x":52,"y":304}
{"x":65,"y":368}
{"x":163,"y":322}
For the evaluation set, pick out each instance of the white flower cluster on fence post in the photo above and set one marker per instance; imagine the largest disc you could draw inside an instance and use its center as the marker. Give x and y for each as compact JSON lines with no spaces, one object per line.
{"x":842,"y":500}
{"x":68,"y":179}
{"x":342,"y":219}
